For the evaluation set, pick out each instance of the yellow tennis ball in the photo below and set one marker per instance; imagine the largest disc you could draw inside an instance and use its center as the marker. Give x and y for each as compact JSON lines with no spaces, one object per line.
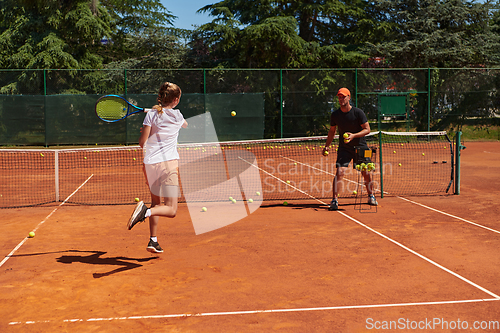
{"x":288,"y":182}
{"x":233,"y":113}
{"x":250,"y":200}
{"x":41,"y":154}
{"x":346,"y":135}
{"x":285,"y":203}
{"x":204,"y":209}
{"x":423,"y":154}
{"x":258,"y":193}
{"x":31,"y":234}
{"x":399,"y":164}
{"x":136,"y":199}
{"x":231,"y":198}
{"x":394,"y":152}
{"x":325,"y":152}
{"x":354,"y":192}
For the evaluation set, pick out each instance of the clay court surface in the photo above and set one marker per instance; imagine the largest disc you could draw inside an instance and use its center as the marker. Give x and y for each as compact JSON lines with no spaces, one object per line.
{"x":296,"y":268}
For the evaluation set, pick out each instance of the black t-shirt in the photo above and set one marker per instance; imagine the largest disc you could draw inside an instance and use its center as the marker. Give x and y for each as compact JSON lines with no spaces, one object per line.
{"x":349,"y":122}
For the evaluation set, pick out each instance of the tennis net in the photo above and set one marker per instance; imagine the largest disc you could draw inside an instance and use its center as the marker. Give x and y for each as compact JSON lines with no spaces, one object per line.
{"x":406,"y":164}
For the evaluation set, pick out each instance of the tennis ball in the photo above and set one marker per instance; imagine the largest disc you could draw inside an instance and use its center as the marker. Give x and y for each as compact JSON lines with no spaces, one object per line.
{"x":250,"y":200}
{"x":233,"y":201}
{"x":394,"y":152}
{"x":233,"y":113}
{"x":41,"y":154}
{"x":134,"y":158}
{"x":231,"y":198}
{"x":288,"y":182}
{"x":136,"y":199}
{"x":85,"y":158}
{"x":346,"y":135}
{"x":258,"y":193}
{"x":354,"y":192}
{"x":399,"y":164}
{"x":325,"y":152}
{"x":31,"y":234}
{"x":204,"y":209}
{"x":285,"y":203}
{"x":346,"y":140}
{"x":423,"y":154}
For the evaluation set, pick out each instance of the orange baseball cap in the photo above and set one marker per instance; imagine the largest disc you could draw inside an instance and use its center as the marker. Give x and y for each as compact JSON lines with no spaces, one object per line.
{"x":344,"y":92}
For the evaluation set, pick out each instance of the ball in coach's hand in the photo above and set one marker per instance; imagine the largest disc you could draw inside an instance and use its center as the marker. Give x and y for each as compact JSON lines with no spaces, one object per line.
{"x":233,"y":113}
{"x":346,"y":135}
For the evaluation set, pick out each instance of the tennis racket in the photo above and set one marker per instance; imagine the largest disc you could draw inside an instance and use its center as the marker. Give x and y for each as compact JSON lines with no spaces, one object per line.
{"x":112,"y":108}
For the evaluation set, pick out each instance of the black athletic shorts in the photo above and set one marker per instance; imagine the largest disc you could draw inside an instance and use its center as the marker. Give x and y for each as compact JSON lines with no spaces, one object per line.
{"x":345,"y":156}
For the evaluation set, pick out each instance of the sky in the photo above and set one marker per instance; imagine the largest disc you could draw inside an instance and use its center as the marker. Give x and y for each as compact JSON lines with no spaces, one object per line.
{"x":185,"y":10}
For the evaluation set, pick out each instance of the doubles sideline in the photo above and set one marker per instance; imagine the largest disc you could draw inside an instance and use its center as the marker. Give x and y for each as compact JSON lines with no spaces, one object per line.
{"x":43,"y":221}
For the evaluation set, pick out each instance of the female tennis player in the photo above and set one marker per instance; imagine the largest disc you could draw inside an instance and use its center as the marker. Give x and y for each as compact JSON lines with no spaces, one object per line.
{"x":158,"y":139}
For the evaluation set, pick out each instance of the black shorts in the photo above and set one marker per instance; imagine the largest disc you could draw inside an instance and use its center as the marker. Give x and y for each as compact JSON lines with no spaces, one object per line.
{"x":345,"y":156}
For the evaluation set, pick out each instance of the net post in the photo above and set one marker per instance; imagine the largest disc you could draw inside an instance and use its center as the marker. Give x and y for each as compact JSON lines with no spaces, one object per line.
{"x":458,"y":148}
{"x":56,"y":174}
{"x":381,"y":167}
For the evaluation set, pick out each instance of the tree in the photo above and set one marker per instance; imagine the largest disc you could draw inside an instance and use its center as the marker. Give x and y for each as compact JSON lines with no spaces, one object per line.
{"x":437,"y":33}
{"x":52,"y":34}
{"x":265,"y":33}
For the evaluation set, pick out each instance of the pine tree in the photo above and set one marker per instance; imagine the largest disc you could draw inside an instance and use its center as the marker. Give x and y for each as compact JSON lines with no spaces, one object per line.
{"x":52,"y":34}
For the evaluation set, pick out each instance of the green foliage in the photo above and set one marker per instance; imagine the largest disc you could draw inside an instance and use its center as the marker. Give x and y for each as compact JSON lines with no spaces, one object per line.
{"x":51,"y":34}
{"x":442,"y":33}
{"x":276,"y":34}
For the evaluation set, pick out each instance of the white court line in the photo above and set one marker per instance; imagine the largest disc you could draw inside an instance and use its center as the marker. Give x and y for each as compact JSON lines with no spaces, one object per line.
{"x":456,"y":217}
{"x":39,"y":224}
{"x":237,"y":313}
{"x":284,"y":182}
{"x":411,"y":201}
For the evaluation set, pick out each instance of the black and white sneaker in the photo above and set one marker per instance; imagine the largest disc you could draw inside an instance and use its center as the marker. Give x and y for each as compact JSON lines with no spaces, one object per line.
{"x":138,"y":215}
{"x":334,"y":205}
{"x":154,"y":247}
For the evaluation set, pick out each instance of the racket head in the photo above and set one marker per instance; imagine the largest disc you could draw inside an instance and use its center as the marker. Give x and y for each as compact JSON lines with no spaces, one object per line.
{"x":112,"y":108}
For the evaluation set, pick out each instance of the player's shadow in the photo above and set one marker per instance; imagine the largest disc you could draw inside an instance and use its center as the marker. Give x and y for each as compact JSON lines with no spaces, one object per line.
{"x":96,"y":259}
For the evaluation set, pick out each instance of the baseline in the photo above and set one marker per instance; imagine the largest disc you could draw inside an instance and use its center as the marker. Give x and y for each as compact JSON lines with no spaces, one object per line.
{"x":233,"y":313}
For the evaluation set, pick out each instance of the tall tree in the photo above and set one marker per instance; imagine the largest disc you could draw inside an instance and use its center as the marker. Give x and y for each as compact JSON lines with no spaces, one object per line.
{"x":438,"y":33}
{"x":52,"y":33}
{"x":265,"y":33}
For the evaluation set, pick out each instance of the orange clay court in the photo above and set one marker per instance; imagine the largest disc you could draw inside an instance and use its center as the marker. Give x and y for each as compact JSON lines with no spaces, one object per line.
{"x":426,"y":263}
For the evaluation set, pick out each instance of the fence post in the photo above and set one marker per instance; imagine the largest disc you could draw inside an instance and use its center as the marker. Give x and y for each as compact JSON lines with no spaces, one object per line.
{"x":281,"y":103}
{"x":428,"y":99}
{"x":45,"y":104}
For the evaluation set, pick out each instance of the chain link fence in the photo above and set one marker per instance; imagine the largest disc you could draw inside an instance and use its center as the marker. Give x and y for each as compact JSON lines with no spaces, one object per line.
{"x":56,"y":107}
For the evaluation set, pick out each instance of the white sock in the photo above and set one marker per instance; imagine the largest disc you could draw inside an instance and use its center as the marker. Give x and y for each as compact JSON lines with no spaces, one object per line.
{"x":154,"y":239}
{"x":148,"y":213}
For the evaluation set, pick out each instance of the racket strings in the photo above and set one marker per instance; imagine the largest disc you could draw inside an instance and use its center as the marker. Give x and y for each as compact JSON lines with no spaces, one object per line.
{"x":110,"y":108}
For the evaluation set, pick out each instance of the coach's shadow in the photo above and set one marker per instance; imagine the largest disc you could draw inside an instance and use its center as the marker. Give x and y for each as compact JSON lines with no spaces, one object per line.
{"x":95,"y":259}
